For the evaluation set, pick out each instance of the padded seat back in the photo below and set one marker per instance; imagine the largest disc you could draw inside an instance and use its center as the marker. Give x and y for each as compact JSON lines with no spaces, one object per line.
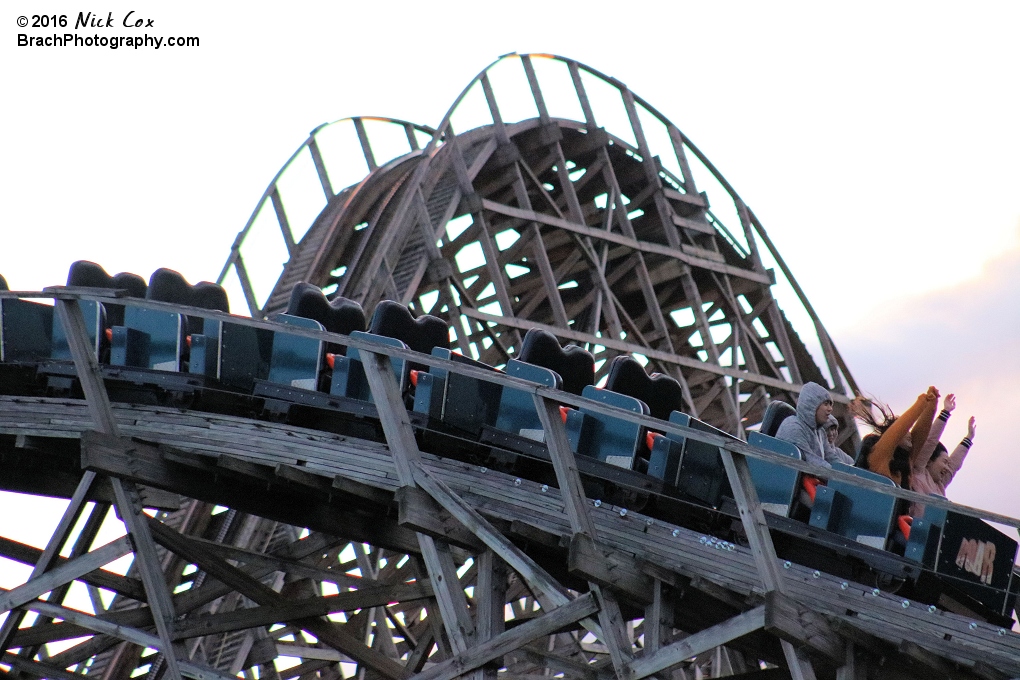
{"x":775,"y":413}
{"x":464,"y":402}
{"x":860,"y":514}
{"x":167,"y":285}
{"x":338,"y":315}
{"x":607,"y":438}
{"x":349,"y":378}
{"x":776,"y":485}
{"x":394,"y":320}
{"x":26,"y":329}
{"x":517,"y":413}
{"x":574,"y":365}
{"x":701,"y":474}
{"x":296,"y":361}
{"x":149,"y":338}
{"x":91,"y":275}
{"x":661,"y":393}
{"x":95,"y":324}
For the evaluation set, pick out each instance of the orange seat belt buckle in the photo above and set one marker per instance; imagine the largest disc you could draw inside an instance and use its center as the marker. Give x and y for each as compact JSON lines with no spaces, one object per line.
{"x":810,"y":484}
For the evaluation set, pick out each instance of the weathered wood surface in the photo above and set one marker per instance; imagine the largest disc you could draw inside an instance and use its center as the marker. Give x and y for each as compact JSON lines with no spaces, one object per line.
{"x":499,"y":496}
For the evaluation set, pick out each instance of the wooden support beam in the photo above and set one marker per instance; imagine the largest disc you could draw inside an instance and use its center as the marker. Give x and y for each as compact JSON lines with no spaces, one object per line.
{"x":178,"y":470}
{"x":513,"y":639}
{"x":490,"y":603}
{"x":753,"y":519}
{"x":658,"y":618}
{"x":575,"y":504}
{"x":567,"y":474}
{"x":400,"y":436}
{"x":550,"y":593}
{"x":194,"y":670}
{"x":151,"y":571}
{"x":700,"y":642}
{"x":51,"y":554}
{"x":611,"y":569}
{"x":295,"y":611}
{"x":623,"y":240}
{"x":329,"y":633}
{"x":68,"y":571}
{"x":800,"y":626}
{"x":418,"y":511}
{"x":126,"y":495}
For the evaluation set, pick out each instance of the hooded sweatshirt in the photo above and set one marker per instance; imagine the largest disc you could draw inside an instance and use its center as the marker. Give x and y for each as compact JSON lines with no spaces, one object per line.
{"x":834,"y":454}
{"x":803,"y":430}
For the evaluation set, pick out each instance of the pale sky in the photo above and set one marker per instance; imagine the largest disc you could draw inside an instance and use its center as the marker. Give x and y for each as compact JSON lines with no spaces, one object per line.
{"x":878,"y":145}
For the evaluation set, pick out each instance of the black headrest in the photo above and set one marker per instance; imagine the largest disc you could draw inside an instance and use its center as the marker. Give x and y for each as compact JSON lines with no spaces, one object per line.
{"x":166,"y":285}
{"x":337,"y":316}
{"x":395,"y":320}
{"x":661,"y":393}
{"x":3,"y":283}
{"x":775,"y":413}
{"x":90,"y":274}
{"x":574,"y":364}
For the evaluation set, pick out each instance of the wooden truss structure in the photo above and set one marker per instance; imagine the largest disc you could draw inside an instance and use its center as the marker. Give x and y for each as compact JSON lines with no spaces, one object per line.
{"x":281,"y":552}
{"x":412,"y":565}
{"x":596,"y":229}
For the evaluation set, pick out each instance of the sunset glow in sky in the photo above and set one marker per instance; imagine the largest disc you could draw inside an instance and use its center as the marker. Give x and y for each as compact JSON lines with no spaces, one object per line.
{"x":878,"y":145}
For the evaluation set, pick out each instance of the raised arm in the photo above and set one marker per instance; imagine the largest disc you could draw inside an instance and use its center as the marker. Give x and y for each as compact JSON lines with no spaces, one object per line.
{"x":959,"y":454}
{"x":882,"y":453}
{"x":920,"y":457}
{"x":921,"y":428}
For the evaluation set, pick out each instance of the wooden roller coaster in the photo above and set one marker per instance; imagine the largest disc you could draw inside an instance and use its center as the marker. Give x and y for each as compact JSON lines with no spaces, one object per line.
{"x":291,"y":529}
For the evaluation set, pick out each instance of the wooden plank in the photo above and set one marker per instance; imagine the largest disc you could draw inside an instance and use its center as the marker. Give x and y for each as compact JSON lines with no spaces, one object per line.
{"x":70,"y":570}
{"x":610,"y":569}
{"x":628,"y":241}
{"x":150,"y":569}
{"x":400,"y":437}
{"x":550,"y":593}
{"x":86,"y":365}
{"x":288,"y":612}
{"x":753,"y":519}
{"x":567,"y":475}
{"x":37,"y":669}
{"x":513,"y":639}
{"x":418,"y":511}
{"x":802,"y":627}
{"x":331,"y":634}
{"x":700,"y":642}
{"x":194,"y":670}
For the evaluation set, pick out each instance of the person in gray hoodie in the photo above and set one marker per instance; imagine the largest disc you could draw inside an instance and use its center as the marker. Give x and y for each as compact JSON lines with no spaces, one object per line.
{"x":833,"y":453}
{"x":806,"y":430}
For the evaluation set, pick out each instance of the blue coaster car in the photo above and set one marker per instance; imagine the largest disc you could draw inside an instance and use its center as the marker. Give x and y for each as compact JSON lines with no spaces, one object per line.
{"x":393,"y":325}
{"x":544,"y":362}
{"x":968,"y":554}
{"x":860,"y":514}
{"x":297,"y":361}
{"x":457,"y":400}
{"x":777,"y":486}
{"x":661,"y":395}
{"x":159,"y":340}
{"x":26,"y":329}
{"x":606,"y":438}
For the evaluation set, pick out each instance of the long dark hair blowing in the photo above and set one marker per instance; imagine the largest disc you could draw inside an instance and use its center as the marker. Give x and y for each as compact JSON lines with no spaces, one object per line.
{"x":864,"y":409}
